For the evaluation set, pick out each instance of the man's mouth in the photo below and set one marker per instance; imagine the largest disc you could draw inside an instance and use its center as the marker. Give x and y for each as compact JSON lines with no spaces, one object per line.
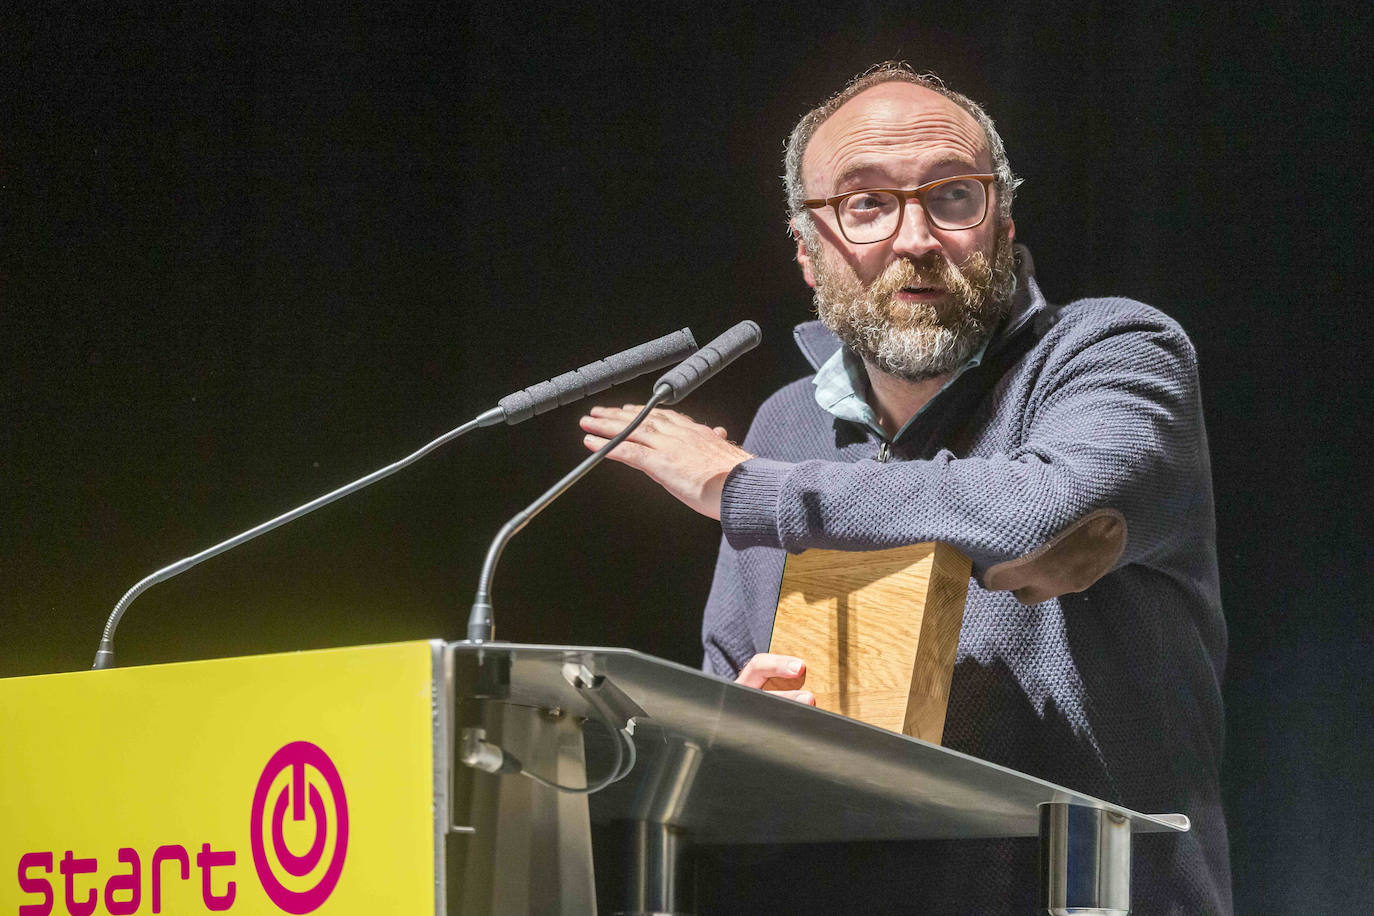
{"x":921,"y":293}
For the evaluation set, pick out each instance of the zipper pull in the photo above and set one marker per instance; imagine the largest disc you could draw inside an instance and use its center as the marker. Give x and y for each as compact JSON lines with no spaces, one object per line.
{"x":884,"y":450}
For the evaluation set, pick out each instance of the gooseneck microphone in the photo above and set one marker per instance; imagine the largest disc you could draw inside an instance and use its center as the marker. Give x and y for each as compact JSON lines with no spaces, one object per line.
{"x":512,"y":409}
{"x":671,"y":388}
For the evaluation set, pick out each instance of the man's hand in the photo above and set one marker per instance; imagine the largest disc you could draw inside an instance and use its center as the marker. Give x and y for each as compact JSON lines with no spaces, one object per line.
{"x":687,"y":459}
{"x":780,"y":674}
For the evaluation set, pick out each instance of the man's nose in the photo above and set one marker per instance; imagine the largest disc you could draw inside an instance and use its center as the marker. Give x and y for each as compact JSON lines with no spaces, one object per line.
{"x":914,"y":237}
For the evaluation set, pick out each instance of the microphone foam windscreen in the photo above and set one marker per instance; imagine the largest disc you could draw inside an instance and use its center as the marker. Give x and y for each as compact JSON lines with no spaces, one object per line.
{"x":709,"y":360}
{"x":598,"y":376}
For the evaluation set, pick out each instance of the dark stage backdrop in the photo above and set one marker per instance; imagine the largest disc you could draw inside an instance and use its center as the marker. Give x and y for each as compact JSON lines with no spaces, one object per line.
{"x":249,"y":256}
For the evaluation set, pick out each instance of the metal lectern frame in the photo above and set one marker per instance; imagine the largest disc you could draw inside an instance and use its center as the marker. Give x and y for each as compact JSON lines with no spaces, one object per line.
{"x":723,"y":764}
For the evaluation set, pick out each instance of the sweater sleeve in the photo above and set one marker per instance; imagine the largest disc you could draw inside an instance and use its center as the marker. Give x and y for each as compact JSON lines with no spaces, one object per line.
{"x":1108,"y":418}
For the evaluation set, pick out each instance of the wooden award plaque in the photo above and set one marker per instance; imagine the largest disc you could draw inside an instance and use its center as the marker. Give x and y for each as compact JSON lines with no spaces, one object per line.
{"x":878,"y":631}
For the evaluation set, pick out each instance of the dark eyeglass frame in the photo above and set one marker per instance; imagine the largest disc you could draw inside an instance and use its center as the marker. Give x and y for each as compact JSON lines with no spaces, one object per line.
{"x":903,"y":196}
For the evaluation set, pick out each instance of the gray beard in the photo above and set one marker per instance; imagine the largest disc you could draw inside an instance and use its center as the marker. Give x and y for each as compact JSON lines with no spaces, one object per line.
{"x":920,"y":340}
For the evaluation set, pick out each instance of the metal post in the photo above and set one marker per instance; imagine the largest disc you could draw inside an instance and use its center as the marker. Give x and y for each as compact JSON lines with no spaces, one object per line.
{"x":655,"y":884}
{"x":1085,"y":860}
{"x":657,"y":875}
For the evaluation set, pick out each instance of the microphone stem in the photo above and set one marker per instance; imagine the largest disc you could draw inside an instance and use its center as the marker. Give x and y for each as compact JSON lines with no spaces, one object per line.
{"x":104,"y":656}
{"x":481,"y":628}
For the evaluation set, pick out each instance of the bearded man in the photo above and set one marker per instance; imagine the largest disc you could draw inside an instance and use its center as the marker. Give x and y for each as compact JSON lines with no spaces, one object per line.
{"x":1061,"y":448}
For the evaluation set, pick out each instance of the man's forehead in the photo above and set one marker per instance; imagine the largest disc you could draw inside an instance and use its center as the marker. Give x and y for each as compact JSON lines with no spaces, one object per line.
{"x":894,"y":118}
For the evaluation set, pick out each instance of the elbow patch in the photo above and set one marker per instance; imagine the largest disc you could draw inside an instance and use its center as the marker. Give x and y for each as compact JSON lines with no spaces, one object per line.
{"x":1071,"y":561}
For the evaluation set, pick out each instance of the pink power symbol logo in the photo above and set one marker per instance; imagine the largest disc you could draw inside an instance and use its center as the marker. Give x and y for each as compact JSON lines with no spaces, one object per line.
{"x":298,"y":756}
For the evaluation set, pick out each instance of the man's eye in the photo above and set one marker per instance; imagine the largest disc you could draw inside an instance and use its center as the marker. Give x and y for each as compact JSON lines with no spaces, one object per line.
{"x":867,"y":205}
{"x":952,"y":193}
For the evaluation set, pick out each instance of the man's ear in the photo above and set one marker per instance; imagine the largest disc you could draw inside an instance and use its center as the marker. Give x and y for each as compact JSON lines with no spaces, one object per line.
{"x":1011,"y":230}
{"x":803,"y":257}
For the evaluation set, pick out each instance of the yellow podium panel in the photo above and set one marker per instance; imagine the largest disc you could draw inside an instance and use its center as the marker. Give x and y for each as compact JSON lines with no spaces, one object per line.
{"x":294,"y":783}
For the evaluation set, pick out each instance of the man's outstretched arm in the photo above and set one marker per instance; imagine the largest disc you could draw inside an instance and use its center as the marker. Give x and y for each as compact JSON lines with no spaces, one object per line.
{"x":1113,"y":422}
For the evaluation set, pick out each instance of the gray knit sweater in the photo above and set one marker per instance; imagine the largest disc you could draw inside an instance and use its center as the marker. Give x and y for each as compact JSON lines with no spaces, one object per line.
{"x":1114,"y":691}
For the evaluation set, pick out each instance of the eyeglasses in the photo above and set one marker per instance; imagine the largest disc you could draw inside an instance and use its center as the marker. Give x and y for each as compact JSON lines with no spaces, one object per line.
{"x":875,"y":214}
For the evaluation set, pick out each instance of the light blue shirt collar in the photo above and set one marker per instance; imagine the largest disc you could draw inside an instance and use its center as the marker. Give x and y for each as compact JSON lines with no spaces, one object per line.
{"x":842,"y":380}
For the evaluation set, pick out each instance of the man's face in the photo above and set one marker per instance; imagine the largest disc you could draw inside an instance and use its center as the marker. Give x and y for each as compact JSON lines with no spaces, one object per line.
{"x":917,"y":305}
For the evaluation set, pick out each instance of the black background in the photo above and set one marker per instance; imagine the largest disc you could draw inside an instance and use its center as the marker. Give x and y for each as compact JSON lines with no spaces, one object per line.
{"x":250,"y":255}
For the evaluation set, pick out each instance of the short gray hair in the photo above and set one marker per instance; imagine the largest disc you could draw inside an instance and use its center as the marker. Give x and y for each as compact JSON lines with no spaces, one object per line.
{"x":889,"y":72}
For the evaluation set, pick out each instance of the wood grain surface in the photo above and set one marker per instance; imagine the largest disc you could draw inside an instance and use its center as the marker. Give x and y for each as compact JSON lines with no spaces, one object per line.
{"x":878,"y":631}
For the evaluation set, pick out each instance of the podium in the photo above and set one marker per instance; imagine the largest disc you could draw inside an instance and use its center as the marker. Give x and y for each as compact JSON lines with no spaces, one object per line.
{"x":330,"y":782}
{"x":722,"y":764}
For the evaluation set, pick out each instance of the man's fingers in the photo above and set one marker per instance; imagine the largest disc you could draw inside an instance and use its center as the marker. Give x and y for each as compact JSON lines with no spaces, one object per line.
{"x":619,"y":417}
{"x":672,"y":416}
{"x":648,"y":433}
{"x":659,"y":428}
{"x":660,"y":418}
{"x":624,"y":414}
{"x":801,"y":696}
{"x":627,"y":452}
{"x":778,"y":672}
{"x":633,"y":409}
{"x":628,"y":412}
